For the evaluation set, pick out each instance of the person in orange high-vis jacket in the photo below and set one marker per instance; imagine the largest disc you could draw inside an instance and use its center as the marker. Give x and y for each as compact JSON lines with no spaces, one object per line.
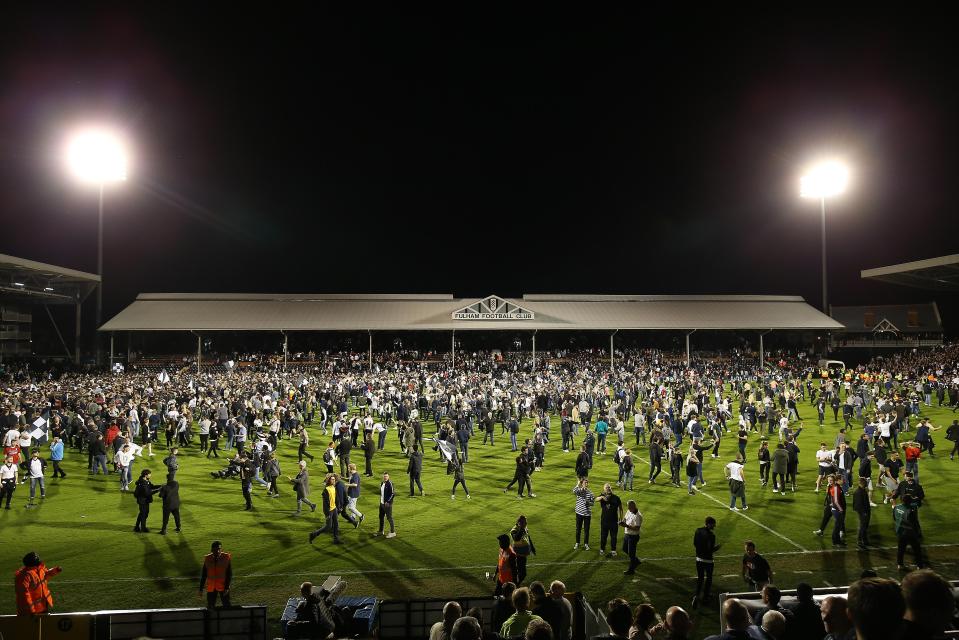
{"x":216,"y":576}
{"x":33,"y":594}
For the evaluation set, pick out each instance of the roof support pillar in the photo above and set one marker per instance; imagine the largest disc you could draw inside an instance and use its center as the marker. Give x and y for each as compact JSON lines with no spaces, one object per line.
{"x":110,"y":365}
{"x":688,"y":333}
{"x":762,"y":353}
{"x":611,"y":356}
{"x":199,"y":350}
{"x":453,"y":349}
{"x":76,"y":335}
{"x":57,"y":329}
{"x":534,"y":349}
{"x":285,"y":348}
{"x":371,"y":348}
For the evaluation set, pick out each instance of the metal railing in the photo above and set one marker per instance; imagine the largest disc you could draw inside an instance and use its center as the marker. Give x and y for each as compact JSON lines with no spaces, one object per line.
{"x":229,"y":623}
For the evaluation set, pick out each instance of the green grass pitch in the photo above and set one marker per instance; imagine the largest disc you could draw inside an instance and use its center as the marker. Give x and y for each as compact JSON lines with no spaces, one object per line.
{"x":445,"y":547}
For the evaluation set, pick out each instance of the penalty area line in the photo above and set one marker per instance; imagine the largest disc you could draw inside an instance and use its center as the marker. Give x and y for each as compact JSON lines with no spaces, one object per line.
{"x":753,"y":520}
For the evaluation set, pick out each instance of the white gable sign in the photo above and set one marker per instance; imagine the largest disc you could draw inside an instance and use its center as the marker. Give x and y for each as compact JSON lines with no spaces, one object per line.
{"x":493,"y":308}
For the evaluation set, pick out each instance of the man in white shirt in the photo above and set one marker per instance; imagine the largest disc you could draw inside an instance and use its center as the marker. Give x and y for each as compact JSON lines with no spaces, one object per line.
{"x":632,"y":522}
{"x":8,"y":479}
{"x":824,"y":457}
{"x":10,"y":437}
{"x":124,"y":460}
{"x":35,"y":469}
{"x":737,"y":483}
{"x":783,"y":426}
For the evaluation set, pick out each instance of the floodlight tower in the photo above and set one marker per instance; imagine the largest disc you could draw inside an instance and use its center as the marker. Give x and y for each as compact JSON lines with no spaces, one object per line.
{"x":824,"y":180}
{"x":97,"y":156}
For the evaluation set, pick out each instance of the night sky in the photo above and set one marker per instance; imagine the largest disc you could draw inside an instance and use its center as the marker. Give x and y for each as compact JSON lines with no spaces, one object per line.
{"x":294,"y":150}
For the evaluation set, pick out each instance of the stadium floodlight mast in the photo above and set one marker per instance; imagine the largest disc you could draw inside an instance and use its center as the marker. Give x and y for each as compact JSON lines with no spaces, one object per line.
{"x":826,"y":179}
{"x":97,"y":156}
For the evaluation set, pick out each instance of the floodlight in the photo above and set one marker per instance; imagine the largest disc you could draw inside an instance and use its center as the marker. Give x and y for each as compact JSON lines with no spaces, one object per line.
{"x":824,"y":180}
{"x":97,"y":156}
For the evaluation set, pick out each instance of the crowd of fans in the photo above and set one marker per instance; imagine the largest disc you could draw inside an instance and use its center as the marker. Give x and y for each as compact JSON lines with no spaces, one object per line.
{"x":665,"y":398}
{"x":921,"y":607}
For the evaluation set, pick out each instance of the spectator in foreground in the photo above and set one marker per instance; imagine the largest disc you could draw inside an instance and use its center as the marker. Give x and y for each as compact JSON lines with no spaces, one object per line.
{"x":619,"y":618}
{"x":441,"y":630}
{"x":836,"y":620}
{"x":516,"y":624}
{"x":538,"y":630}
{"x":774,"y":625}
{"x":737,"y":621}
{"x":807,"y":616}
{"x":545,"y":607}
{"x":502,"y":607}
{"x":876,"y":607}
{"x":929,"y":605}
{"x":643,"y":620}
{"x":466,"y":628}
{"x":676,"y":625}
{"x":557,"y":591}
{"x":771,"y":597}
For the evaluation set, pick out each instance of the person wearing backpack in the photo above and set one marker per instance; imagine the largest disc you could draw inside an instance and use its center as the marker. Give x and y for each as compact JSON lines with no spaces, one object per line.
{"x":627,"y":466}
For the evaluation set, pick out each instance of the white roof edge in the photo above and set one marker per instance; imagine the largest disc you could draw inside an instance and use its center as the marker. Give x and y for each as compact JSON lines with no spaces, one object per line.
{"x":905,"y":267}
{"x":562,"y":297}
{"x":33,"y":265}
{"x":837,"y":326}
{"x":295,"y":296}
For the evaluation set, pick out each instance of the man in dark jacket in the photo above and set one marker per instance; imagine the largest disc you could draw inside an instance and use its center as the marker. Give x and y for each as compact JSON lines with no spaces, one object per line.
{"x":343,"y":451}
{"x":170,"y":494}
{"x":705,"y":543}
{"x":807,"y":616}
{"x":330,"y":510}
{"x":655,"y":460}
{"x":143,"y":492}
{"x":341,"y":499}
{"x":520,"y":474}
{"x":414,"y":468}
{"x":172,"y":464}
{"x":463,"y":436}
{"x":862,"y":506}
{"x":837,"y":506}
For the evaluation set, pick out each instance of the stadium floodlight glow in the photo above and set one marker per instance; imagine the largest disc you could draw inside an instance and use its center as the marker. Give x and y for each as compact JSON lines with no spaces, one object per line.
{"x":18,"y":284}
{"x":824,"y":180}
{"x":48,"y":288}
{"x":97,"y":156}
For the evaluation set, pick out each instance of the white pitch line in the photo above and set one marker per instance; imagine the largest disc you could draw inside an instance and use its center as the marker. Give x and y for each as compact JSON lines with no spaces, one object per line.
{"x":483,"y":566}
{"x":756,"y":522}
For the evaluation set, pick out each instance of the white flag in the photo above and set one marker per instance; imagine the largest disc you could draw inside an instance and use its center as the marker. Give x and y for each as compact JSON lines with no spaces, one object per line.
{"x":40,"y":432}
{"x":448,"y":450}
{"x":163,"y":377}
